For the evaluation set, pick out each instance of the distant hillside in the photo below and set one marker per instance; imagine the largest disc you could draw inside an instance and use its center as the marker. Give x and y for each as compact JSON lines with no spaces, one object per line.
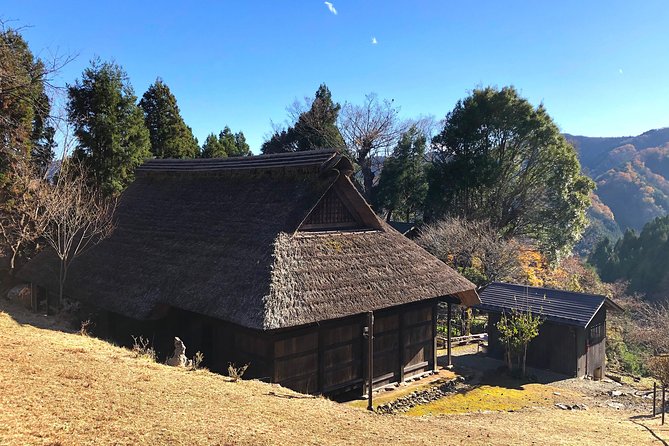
{"x":632,"y":176}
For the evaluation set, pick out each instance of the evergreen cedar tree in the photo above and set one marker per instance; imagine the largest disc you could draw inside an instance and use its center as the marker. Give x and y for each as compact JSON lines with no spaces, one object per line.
{"x":109,"y":126}
{"x":314,"y":129}
{"x":169,"y":135}
{"x":498,"y":158}
{"x":641,"y":259}
{"x":225,"y":145}
{"x":26,"y":146}
{"x":403,"y":181}
{"x":25,"y":107}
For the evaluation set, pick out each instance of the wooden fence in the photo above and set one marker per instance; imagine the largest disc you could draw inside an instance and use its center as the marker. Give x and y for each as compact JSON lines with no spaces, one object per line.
{"x":462,"y":340}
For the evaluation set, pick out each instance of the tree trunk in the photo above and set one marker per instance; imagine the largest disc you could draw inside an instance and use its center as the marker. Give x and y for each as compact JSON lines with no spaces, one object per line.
{"x":367,"y":180}
{"x":524,"y":358}
{"x":509,"y":364}
{"x":61,"y":284}
{"x":12,"y":260}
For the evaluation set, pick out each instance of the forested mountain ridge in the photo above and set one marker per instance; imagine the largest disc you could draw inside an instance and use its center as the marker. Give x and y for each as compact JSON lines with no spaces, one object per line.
{"x":632,"y":177}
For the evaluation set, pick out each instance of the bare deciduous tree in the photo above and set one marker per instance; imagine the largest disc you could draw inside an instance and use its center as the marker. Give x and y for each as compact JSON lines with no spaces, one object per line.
{"x":370,"y":130}
{"x":652,"y":325}
{"x":20,"y":222}
{"x":644,"y":326}
{"x":473,"y":247}
{"x":76,"y":216}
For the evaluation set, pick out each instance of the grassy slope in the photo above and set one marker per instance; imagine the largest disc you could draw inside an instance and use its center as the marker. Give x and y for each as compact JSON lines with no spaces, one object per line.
{"x":59,"y":388}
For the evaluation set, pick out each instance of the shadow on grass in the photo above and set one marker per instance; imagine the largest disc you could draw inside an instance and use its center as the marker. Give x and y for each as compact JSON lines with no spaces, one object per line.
{"x":24,"y":316}
{"x":484,"y":370}
{"x":636,"y":420}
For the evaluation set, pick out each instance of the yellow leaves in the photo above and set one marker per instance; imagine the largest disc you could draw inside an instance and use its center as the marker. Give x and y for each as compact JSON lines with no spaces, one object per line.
{"x":534,"y":265}
{"x":571,"y":274}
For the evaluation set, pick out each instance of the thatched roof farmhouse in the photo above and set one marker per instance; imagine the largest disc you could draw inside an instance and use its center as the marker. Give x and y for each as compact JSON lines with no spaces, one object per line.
{"x":272,"y":260}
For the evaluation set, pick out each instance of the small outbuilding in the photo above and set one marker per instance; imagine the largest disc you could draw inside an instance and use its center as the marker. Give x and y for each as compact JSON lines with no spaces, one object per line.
{"x":572,"y":338}
{"x":276,"y":261}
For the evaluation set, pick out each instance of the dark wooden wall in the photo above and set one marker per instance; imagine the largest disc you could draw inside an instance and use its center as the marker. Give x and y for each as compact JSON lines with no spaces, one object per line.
{"x":595,"y":339}
{"x":331,"y":357}
{"x":322,"y":358}
{"x":555,"y":348}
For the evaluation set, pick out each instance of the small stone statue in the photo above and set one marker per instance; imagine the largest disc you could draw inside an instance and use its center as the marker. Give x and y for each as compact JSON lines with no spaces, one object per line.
{"x":178,"y":359}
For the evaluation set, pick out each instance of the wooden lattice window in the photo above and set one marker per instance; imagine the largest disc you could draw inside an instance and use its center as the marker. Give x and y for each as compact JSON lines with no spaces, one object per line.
{"x":330,"y":212}
{"x":596,"y":333}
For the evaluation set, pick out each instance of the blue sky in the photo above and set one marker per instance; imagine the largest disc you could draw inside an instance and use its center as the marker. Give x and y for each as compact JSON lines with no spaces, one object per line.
{"x":600,"y":67}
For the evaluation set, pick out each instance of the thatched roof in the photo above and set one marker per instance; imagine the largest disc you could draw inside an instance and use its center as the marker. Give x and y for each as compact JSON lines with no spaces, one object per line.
{"x":221,"y":238}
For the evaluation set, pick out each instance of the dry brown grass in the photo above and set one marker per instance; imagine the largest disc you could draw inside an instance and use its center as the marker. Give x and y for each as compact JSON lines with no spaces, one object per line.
{"x":62,"y":388}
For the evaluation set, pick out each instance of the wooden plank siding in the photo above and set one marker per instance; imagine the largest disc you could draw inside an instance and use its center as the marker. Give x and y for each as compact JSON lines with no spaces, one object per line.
{"x":326,"y":358}
{"x":595,"y":339}
{"x":566,"y":349}
{"x":331,"y":357}
{"x":418,"y":342}
{"x":342,"y":351}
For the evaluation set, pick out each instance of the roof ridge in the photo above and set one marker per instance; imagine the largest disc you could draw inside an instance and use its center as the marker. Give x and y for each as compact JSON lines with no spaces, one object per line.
{"x":321,"y":158}
{"x":518,"y":285}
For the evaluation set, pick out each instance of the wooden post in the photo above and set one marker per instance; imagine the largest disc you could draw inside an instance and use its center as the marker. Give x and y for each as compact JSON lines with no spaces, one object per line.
{"x":33,"y":298}
{"x":370,"y":359}
{"x":321,"y":359}
{"x":448,"y":335}
{"x":401,"y":342}
{"x":654,"y":398}
{"x":664,"y":388}
{"x":435,"y":311}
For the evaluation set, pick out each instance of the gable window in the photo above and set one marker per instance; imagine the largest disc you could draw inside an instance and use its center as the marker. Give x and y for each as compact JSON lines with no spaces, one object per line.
{"x":331,"y":213}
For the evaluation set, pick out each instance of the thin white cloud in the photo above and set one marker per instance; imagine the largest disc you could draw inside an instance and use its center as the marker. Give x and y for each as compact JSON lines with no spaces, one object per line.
{"x":331,"y":7}
{"x":620,"y":70}
{"x":374,"y":41}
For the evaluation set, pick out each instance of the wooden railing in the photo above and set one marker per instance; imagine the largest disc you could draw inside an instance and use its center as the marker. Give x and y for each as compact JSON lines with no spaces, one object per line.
{"x":462,"y":340}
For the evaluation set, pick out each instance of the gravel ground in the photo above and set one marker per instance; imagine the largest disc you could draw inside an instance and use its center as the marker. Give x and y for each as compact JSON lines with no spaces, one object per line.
{"x":604,"y":393}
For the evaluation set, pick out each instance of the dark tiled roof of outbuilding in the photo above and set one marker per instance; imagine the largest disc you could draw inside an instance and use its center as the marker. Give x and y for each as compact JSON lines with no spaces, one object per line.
{"x":559,"y":306}
{"x":402,"y":227}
